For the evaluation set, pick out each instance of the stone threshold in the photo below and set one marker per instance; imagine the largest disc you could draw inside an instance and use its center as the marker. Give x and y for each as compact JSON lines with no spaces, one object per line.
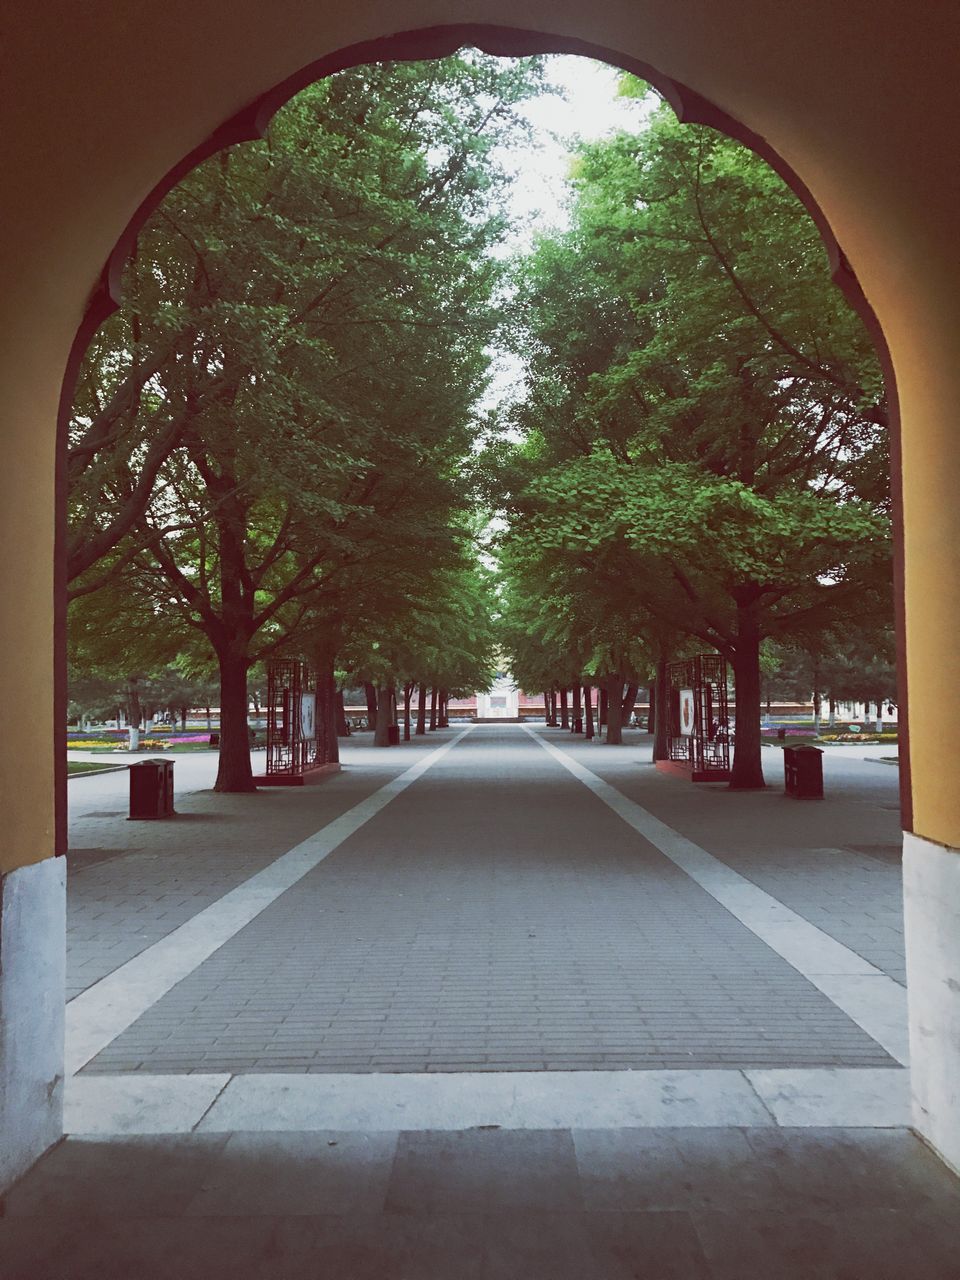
{"x":138,"y":1103}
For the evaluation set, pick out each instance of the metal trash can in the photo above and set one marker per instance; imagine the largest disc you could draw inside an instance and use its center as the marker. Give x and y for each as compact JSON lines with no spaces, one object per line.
{"x":393,"y":735}
{"x":803,"y":772}
{"x":151,"y":789}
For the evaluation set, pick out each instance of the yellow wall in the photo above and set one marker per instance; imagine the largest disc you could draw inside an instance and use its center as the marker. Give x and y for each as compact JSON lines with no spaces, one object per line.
{"x":98,"y":100}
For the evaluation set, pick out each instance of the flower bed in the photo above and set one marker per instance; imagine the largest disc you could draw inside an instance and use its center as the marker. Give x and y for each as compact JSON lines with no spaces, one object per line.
{"x":865,"y":736}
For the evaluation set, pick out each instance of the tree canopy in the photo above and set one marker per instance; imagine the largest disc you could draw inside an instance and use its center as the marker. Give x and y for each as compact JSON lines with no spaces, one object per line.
{"x":304,"y":340}
{"x":280,"y":445}
{"x":703,"y":425}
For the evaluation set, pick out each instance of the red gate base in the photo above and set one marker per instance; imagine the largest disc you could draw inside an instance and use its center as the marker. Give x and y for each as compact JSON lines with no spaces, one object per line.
{"x":684,"y":770}
{"x":297,"y":779}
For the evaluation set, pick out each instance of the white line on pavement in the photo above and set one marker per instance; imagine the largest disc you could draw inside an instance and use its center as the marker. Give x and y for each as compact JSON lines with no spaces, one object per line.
{"x":873,"y":1001}
{"x":141,"y":1103}
{"x":103,"y":1011}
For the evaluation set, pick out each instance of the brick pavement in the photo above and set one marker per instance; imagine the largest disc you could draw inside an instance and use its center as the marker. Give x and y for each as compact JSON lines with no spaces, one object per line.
{"x":132,"y":883}
{"x":836,"y":863}
{"x":496,"y":916}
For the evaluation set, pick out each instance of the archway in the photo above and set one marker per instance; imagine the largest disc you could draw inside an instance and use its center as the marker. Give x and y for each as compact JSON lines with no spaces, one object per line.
{"x":937,"y":818}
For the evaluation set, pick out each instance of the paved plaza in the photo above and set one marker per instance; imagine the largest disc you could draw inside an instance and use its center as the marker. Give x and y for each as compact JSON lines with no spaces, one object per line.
{"x":499,"y":1002}
{"x":495,"y":915}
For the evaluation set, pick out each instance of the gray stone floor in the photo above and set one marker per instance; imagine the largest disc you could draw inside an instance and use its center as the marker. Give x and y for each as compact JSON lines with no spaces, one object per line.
{"x":714,"y":1204}
{"x":132,"y":883}
{"x":496,"y":916}
{"x":836,"y":862}
{"x":495,"y":912}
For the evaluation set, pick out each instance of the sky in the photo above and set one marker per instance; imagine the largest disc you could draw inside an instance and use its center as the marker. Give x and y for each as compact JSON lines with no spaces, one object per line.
{"x":586,"y":106}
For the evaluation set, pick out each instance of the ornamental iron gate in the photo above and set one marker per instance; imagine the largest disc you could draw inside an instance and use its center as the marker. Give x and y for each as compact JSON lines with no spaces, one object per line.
{"x":293,"y":743}
{"x":699,"y":725}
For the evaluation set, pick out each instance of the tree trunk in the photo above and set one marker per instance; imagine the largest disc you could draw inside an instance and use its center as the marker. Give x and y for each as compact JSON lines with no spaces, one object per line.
{"x":817,"y":710}
{"x":133,"y":714}
{"x":407,"y":698}
{"x":209,"y":719}
{"x":371,"y":695}
{"x":661,"y":708}
{"x":183,"y":719}
{"x":577,"y":726}
{"x":564,"y":709}
{"x":614,"y":710}
{"x":422,"y":711}
{"x":747,"y":771}
{"x":602,"y":709}
{"x":629,"y":704}
{"x":235,"y":772}
{"x":588,"y":709}
{"x":381,"y":737}
{"x":328,"y":748}
{"x":442,"y":720}
{"x":832,"y":704}
{"x":546,"y":707}
{"x":434,"y":694}
{"x":343,"y":729}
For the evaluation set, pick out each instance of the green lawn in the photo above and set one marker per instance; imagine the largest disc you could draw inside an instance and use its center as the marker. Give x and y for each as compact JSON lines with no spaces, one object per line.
{"x":87,"y":766}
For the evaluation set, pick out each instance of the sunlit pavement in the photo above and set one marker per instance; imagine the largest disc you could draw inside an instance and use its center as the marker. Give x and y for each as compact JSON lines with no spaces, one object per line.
{"x":494,"y":1008}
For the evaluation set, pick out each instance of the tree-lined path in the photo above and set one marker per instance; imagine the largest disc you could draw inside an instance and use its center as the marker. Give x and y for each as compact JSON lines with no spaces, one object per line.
{"x":494,"y":916}
{"x":322,"y":1018}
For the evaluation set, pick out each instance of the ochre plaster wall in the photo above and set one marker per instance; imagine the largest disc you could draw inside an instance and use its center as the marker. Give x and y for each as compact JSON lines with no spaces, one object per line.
{"x":99,"y":100}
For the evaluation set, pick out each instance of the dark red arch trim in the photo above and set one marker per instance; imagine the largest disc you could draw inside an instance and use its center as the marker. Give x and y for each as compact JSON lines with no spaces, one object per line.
{"x":251,"y":122}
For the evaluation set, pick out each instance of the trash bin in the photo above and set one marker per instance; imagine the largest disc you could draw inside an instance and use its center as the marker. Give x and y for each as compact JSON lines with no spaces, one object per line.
{"x":151,"y":789}
{"x":393,"y":735}
{"x":803,"y":772}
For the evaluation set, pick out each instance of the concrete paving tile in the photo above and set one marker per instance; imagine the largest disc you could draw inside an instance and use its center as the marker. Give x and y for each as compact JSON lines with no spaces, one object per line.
{"x":827,"y":1096}
{"x":481,"y":1171}
{"x":631,"y":1170}
{"x":111,"y":1247}
{"x":875,"y":1244}
{"x":29,"y":1246}
{"x":537,"y":1243}
{"x":134,"y":1176}
{"x":139,"y":1103}
{"x":382,"y":1247}
{"x":296,"y":1174}
{"x":836,"y":1168}
{"x":624,"y":1246}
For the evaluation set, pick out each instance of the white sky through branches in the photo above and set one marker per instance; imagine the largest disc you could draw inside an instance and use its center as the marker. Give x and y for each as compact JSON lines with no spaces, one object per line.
{"x":584,"y":107}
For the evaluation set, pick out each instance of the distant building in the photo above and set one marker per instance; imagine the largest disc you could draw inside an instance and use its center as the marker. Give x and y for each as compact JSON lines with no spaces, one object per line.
{"x":502,"y":702}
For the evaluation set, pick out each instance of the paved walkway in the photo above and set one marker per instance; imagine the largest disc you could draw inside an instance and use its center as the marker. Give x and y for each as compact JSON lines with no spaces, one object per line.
{"x":494,"y":916}
{"x":313,"y":1031}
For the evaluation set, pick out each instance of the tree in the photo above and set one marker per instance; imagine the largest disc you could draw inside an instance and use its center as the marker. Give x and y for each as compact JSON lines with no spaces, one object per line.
{"x":313,"y":313}
{"x":702,"y":408}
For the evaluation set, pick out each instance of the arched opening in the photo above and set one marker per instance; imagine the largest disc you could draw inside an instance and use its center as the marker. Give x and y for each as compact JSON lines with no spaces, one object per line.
{"x":414,"y":48}
{"x":421,"y":54}
{"x":437,"y":42}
